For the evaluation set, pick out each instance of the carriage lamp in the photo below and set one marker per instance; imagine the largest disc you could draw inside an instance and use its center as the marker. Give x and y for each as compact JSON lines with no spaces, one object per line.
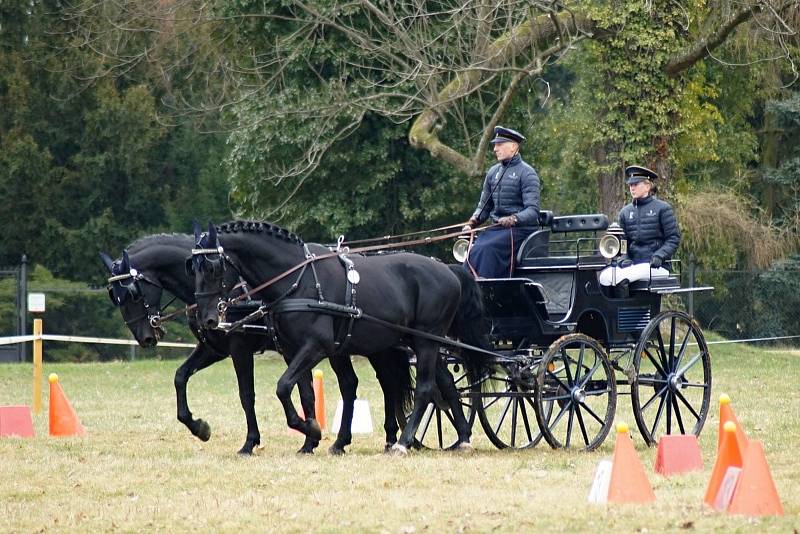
{"x":613,"y":242}
{"x":461,"y":249}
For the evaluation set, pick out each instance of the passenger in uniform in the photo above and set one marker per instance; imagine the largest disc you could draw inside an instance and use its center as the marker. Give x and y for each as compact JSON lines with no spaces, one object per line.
{"x":510,"y":198}
{"x":650,"y":229}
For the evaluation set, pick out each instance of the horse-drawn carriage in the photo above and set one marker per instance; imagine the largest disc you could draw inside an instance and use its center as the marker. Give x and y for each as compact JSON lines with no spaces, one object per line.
{"x":559,"y":348}
{"x":566,"y":347}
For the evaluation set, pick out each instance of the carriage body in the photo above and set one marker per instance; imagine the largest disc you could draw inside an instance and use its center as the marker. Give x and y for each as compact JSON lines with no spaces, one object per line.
{"x":567,"y":346}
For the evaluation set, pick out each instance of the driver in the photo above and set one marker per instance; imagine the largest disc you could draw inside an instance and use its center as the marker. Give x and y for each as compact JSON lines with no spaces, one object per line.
{"x":650,"y":229}
{"x":510,"y":197}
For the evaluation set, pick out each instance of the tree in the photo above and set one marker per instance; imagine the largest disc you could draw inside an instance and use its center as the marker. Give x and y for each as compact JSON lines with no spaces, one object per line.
{"x":451,"y":69}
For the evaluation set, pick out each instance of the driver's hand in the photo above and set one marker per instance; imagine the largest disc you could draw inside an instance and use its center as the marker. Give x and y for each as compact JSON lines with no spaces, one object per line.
{"x":466,"y":228}
{"x":508,"y":221}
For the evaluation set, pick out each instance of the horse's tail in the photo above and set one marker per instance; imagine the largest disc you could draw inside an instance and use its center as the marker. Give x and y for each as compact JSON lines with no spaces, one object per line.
{"x":470,"y":324}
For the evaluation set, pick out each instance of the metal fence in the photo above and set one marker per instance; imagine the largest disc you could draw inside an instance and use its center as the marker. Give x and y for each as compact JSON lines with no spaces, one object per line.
{"x":744,"y":305}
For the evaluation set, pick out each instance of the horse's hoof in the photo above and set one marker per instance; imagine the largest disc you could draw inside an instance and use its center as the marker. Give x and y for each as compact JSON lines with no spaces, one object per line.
{"x":398,"y":450}
{"x":388,"y":447}
{"x":202,"y":430}
{"x":465,"y":447}
{"x":305,"y":449}
{"x":336,"y":450}
{"x":417,"y":445}
{"x":245,"y":451}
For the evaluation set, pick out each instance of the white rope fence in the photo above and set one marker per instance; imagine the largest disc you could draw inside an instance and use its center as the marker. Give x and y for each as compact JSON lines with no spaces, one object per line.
{"x":80,"y":339}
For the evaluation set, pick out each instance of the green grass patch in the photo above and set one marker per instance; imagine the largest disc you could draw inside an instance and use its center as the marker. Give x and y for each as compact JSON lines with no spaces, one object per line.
{"x":138,"y":469}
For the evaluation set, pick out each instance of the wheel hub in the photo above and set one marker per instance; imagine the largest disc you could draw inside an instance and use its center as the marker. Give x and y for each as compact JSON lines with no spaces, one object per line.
{"x":578,"y":395}
{"x":674,"y":382}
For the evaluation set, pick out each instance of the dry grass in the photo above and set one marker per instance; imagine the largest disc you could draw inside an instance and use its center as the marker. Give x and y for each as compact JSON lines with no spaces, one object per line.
{"x":140,"y":470}
{"x":718,"y":221}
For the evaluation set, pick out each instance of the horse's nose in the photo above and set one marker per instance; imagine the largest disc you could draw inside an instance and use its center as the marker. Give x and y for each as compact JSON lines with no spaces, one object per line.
{"x":148,"y":341}
{"x":211,"y":322}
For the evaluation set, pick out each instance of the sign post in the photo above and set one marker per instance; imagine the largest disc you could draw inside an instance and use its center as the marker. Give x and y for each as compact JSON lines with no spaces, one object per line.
{"x":36,"y":304}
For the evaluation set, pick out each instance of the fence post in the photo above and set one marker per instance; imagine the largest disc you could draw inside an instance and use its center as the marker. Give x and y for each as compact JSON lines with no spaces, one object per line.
{"x":37,"y":366}
{"x":22,"y":307}
{"x":691,"y":284}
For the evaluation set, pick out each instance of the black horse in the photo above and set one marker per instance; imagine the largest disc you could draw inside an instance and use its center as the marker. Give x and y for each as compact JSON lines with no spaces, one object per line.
{"x":158,"y":263}
{"x":318,"y":308}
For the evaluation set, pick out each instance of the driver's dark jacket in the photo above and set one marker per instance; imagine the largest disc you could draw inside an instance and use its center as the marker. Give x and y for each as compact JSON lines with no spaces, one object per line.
{"x":517,"y":194}
{"x":651,"y":229}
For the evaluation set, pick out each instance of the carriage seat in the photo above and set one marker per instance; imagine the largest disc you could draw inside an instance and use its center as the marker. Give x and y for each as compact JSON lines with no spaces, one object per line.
{"x":535,"y":250}
{"x":537,"y":244}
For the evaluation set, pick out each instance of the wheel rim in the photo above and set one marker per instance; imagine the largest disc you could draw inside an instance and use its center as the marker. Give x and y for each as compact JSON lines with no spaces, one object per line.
{"x":575,"y":394}
{"x":507,"y":410}
{"x":437,"y":427}
{"x":671,"y":388}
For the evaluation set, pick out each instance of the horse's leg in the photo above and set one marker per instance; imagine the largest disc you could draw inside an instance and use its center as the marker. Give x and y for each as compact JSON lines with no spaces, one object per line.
{"x":305,"y":388}
{"x":342,"y":365}
{"x":300,"y":363}
{"x":243,"y":365}
{"x":447,"y":387}
{"x":392,"y":408}
{"x":427,"y":356}
{"x":200,"y":358}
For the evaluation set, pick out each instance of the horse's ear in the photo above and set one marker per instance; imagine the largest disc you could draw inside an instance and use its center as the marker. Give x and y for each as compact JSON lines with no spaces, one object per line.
{"x":196,"y":230}
{"x":107,"y":261}
{"x":212,"y":235}
{"x":126,"y":262}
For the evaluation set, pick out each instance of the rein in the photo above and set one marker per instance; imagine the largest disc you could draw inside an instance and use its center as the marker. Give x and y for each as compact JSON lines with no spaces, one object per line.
{"x":313,"y":257}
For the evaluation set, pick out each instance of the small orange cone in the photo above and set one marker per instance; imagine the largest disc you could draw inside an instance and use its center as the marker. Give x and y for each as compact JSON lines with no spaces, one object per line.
{"x":16,"y":421}
{"x":629,"y":482}
{"x":728,"y":455}
{"x":726,"y":414}
{"x":678,"y":453}
{"x":319,"y":398}
{"x":63,"y":419}
{"x":755,"y":493}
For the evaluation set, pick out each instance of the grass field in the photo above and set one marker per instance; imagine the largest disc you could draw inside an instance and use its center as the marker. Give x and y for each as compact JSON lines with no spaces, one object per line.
{"x":138,"y":469}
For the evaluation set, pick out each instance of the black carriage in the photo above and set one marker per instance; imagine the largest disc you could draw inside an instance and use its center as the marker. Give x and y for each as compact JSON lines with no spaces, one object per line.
{"x":564,"y":348}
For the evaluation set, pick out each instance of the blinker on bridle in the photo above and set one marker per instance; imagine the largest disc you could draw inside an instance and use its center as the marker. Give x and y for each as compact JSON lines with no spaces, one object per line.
{"x":137,"y":295}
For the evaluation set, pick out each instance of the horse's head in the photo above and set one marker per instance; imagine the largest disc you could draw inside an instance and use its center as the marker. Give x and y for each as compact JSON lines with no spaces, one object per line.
{"x":215,"y":275}
{"x":138,"y":298}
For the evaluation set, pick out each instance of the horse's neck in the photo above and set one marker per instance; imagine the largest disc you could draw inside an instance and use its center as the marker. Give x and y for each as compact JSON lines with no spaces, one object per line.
{"x":262,"y":257}
{"x":167,"y":269}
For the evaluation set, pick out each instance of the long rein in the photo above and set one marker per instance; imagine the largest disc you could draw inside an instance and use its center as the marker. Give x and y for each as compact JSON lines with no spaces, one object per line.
{"x":314,"y":258}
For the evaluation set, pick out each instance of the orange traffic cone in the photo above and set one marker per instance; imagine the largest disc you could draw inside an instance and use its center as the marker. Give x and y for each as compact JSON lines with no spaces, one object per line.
{"x":728,"y":455}
{"x":678,"y":453}
{"x":16,"y":421}
{"x":755,"y":493}
{"x":319,"y":398}
{"x":63,"y":419}
{"x":726,"y":414}
{"x":629,"y":482}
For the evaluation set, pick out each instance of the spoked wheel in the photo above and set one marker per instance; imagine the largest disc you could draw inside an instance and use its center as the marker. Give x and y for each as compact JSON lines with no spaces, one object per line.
{"x":576,"y":393}
{"x":437,"y":428}
{"x":506,"y":409}
{"x":671,"y":386}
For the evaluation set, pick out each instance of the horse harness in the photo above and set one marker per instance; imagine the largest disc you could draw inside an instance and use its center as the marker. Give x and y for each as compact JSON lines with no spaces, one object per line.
{"x":283,"y":304}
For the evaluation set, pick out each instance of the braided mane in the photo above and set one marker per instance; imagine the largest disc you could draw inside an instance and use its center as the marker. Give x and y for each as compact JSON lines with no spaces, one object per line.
{"x":259,"y":227}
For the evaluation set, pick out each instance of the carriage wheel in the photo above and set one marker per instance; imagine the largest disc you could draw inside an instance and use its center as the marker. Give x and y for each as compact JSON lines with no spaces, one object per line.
{"x":671,"y":386}
{"x":576,"y":393}
{"x":437,"y":428}
{"x":506,"y":409}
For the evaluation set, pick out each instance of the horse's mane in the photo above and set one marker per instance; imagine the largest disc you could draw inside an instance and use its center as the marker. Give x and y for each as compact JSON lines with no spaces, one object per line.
{"x":150,"y":239}
{"x":259,"y":227}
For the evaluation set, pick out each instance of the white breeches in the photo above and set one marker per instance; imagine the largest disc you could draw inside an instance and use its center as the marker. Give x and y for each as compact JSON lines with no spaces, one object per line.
{"x":611,"y":276}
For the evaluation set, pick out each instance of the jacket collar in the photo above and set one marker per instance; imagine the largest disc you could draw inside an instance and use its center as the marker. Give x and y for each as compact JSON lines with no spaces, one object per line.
{"x":643,"y":201}
{"x":511,"y":161}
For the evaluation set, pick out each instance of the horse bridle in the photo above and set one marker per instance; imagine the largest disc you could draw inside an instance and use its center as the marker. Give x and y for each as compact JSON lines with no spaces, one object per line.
{"x":135,"y":292}
{"x":217,"y":271}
